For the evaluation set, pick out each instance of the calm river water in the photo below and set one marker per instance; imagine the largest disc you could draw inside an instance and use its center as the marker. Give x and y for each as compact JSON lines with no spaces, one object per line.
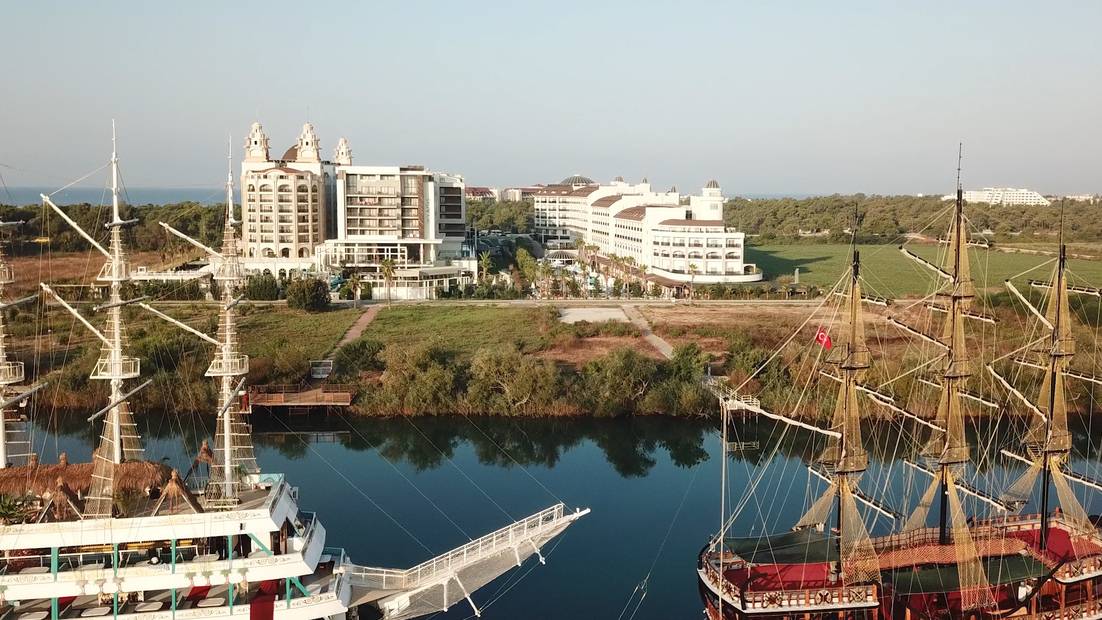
{"x":395,"y":492}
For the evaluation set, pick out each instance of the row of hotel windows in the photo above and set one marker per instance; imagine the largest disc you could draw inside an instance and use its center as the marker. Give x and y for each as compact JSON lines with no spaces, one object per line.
{"x":303,"y":232}
{"x":267,"y":202}
{"x":272,"y":253}
{"x":680,"y":242}
{"x":709,"y":255}
{"x":369,"y":184}
{"x":284,"y":218}
{"x":709,"y":269}
{"x":282,"y":188}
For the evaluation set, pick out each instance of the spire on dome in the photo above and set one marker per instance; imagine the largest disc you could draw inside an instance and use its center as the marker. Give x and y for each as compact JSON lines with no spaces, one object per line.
{"x":343,"y":154}
{"x":256,"y":144}
{"x":308,"y":148}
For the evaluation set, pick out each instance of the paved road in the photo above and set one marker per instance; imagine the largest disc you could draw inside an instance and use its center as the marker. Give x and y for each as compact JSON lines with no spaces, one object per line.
{"x":640,"y":321}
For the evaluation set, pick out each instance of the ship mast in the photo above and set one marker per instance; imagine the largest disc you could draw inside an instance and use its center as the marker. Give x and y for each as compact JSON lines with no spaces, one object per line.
{"x":1048,"y":437}
{"x":948,"y":446}
{"x":845,"y":456}
{"x":11,"y":373}
{"x":1057,"y":441}
{"x":119,"y":441}
{"x":234,"y":457}
{"x":951,"y":448}
{"x":233,"y":445}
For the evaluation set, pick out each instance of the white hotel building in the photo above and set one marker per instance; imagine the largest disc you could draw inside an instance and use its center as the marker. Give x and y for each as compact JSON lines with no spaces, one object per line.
{"x":656,"y":229}
{"x":1007,"y":196}
{"x":304,"y":214}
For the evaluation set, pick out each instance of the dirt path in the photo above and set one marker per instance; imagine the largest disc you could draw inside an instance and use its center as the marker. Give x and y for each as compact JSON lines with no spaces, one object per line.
{"x":357,"y":328}
{"x":655,"y":341}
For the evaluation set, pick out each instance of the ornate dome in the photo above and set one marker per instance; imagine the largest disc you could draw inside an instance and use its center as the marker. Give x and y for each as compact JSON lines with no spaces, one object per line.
{"x":577,"y":179}
{"x":618,"y":180}
{"x":713,"y":184}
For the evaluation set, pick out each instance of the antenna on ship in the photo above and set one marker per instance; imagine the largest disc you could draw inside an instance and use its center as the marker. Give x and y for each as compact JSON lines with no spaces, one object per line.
{"x":120,"y":441}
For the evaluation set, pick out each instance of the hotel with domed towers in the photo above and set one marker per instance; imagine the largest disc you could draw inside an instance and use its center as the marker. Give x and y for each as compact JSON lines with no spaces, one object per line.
{"x":304,"y":214}
{"x":672,"y":240}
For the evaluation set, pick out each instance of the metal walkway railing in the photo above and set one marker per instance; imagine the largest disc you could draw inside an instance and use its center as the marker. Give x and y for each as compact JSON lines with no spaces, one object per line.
{"x":525,"y":531}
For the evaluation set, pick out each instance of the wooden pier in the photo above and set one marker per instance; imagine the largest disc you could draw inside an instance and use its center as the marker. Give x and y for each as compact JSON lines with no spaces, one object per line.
{"x":301,"y":397}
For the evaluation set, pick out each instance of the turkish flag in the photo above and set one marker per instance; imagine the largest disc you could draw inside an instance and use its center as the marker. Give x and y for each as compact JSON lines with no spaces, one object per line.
{"x":823,"y":338}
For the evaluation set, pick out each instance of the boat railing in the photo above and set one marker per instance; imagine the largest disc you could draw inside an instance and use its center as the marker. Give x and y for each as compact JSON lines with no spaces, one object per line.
{"x":932,"y":536}
{"x":1088,"y":609}
{"x":97,"y":559}
{"x":719,"y":387}
{"x":834,"y":596}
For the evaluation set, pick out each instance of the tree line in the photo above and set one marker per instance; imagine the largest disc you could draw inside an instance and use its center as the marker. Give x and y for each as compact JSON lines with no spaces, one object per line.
{"x":884,"y":218}
{"x":41,"y":226}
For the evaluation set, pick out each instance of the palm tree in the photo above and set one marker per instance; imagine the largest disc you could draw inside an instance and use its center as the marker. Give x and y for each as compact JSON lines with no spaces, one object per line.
{"x":387,"y":268}
{"x":629,"y":269}
{"x":693,"y":270}
{"x":355,"y":283}
{"x":545,"y":274}
{"x":485,"y":262}
{"x":585,"y":279}
{"x":581,"y":247}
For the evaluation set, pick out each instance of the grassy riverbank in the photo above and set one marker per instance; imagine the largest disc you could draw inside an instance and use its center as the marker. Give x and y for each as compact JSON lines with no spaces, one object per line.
{"x":520,"y":361}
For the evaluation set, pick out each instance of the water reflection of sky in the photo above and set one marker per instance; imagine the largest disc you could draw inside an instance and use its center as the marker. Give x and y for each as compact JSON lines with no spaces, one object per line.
{"x":389,"y":491}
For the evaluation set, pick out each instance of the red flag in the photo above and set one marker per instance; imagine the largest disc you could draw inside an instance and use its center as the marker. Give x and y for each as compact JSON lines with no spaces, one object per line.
{"x":823,"y":338}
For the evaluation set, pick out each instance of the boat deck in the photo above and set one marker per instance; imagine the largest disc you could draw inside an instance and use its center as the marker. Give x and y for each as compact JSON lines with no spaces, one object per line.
{"x":211,"y":599}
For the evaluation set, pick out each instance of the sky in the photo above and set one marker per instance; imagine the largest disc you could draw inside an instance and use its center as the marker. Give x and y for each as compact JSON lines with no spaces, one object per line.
{"x":766,"y":97}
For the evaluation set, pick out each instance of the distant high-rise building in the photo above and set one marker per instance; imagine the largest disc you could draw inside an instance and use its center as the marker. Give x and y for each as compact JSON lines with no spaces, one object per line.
{"x":1003,"y":196}
{"x":287,"y":203}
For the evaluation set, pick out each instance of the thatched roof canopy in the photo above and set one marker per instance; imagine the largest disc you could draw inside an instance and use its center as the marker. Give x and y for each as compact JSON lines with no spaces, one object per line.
{"x":38,"y":480}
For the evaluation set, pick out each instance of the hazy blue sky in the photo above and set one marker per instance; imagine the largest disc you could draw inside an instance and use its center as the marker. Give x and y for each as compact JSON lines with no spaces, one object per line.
{"x":767,"y":97}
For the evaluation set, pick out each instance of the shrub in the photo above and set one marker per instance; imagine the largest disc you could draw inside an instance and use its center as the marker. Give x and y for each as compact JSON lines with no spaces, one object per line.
{"x":357,"y":356}
{"x":308,"y":294}
{"x":615,"y":384}
{"x":507,"y":382}
{"x":262,"y":287}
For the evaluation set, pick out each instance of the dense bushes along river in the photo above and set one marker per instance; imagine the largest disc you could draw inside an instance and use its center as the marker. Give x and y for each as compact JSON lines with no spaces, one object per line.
{"x":429,"y":379}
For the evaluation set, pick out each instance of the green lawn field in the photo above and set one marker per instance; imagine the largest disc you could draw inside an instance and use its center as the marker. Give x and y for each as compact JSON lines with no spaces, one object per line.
{"x":461,"y":329}
{"x":891,"y":274}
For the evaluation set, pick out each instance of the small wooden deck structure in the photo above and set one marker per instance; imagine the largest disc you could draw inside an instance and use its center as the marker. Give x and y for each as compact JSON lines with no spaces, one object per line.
{"x":300,"y":399}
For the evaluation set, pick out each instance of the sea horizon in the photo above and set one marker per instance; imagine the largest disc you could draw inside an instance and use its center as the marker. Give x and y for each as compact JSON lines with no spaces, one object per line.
{"x":23,"y":196}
